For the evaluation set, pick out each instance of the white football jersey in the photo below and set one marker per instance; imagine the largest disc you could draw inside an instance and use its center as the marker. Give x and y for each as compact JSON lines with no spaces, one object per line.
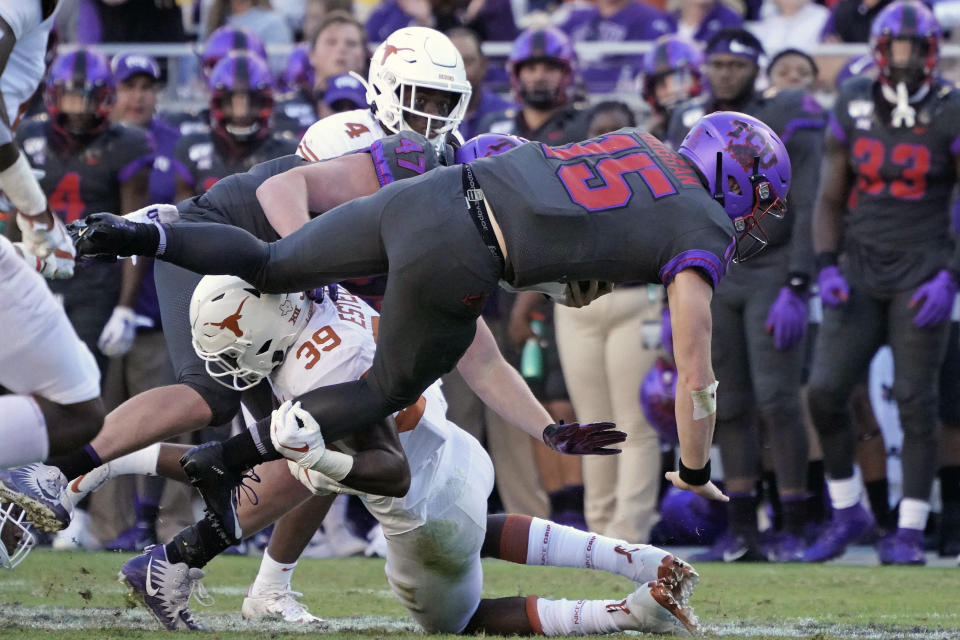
{"x":27,"y":61}
{"x":340,"y":133}
{"x":336,"y":346}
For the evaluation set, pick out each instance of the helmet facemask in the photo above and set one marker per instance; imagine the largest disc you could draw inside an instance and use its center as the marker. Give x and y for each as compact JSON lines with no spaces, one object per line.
{"x":751,"y":239}
{"x":242,"y":115}
{"x":16,"y":535}
{"x":910,"y":60}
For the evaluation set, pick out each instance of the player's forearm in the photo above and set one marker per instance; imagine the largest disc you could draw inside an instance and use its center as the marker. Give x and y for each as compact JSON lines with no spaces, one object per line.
{"x":500,"y":386}
{"x":381,"y":472}
{"x":805,"y":160}
{"x":828,"y":212}
{"x":284,"y":201}
{"x":689,"y":297}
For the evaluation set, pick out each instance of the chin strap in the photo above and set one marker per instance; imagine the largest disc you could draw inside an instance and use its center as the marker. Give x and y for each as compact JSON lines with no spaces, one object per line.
{"x":903,"y":115}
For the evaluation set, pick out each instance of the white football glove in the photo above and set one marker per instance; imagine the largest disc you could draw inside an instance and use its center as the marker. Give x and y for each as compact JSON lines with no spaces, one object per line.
{"x":44,"y":239}
{"x":118,"y":334}
{"x":318,"y":483}
{"x":296,"y":435}
{"x":55,"y":267}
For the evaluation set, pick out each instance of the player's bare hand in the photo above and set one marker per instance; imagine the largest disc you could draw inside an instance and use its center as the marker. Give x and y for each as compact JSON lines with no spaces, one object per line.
{"x":593,"y":438}
{"x":708,"y":491}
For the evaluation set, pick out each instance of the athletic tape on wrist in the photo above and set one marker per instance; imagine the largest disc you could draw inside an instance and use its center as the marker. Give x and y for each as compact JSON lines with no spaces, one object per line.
{"x":20,"y":185}
{"x":704,"y":401}
{"x":334,"y":465}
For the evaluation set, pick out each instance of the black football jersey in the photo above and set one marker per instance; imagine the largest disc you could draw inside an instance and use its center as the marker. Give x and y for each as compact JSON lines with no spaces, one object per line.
{"x":636,"y":210}
{"x":80,"y":181}
{"x":799,"y":120}
{"x":566,"y":125}
{"x":203,"y":157}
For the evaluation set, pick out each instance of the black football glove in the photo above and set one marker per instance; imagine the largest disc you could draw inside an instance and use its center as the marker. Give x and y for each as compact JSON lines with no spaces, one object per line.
{"x":104,"y":234}
{"x":578,"y":439}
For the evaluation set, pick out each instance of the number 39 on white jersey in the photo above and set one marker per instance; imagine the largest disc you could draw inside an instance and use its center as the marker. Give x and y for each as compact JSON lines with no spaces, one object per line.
{"x":338,"y":345}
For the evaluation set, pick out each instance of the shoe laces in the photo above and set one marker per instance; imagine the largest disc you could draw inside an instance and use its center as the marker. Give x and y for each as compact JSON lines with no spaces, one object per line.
{"x":247,"y":490}
{"x":198,"y":591}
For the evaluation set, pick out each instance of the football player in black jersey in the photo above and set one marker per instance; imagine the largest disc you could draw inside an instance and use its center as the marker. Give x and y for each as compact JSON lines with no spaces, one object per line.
{"x":620,"y":207}
{"x":241,"y":103}
{"x":888,"y":267}
{"x":89,"y":164}
{"x":760,"y":309}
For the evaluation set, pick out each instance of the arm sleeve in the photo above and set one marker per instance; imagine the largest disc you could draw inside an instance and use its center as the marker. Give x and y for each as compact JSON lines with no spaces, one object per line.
{"x":806,"y":151}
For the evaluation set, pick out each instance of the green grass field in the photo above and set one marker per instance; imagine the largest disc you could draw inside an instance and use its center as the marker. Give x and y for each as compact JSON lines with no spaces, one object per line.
{"x":76,"y":596}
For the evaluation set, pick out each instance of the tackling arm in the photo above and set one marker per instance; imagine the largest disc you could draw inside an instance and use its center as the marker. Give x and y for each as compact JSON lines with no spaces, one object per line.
{"x":689,"y":298}
{"x":289,"y":197}
{"x":500,"y":386}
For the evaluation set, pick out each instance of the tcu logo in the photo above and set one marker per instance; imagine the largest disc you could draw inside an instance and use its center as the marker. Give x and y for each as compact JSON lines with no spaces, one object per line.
{"x":752,"y":145}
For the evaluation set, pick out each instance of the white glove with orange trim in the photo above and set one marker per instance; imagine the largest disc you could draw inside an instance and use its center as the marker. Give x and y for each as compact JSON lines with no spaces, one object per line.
{"x":56,"y":266}
{"x":296,"y":436}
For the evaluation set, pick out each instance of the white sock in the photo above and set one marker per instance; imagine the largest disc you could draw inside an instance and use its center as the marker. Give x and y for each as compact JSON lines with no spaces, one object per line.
{"x":558,"y":545}
{"x":272,"y":575}
{"x":79,"y":488}
{"x":23,"y":431}
{"x":582,"y":617}
{"x":139,"y":463}
{"x":913,"y":514}
{"x":845,"y":492}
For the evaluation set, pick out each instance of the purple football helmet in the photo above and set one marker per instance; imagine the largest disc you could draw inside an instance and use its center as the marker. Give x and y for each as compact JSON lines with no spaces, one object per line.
{"x":686,"y":518}
{"x":672,"y":55}
{"x":487,"y":144}
{"x":85,"y":73}
{"x":241,"y":96}
{"x":747,"y":170}
{"x":299,"y":74}
{"x":227,"y":39}
{"x":538,"y":45}
{"x":658,"y":393}
{"x":914,"y":22}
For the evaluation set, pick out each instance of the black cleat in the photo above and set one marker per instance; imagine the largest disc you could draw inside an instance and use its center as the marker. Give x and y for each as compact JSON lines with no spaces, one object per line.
{"x":205,"y":467}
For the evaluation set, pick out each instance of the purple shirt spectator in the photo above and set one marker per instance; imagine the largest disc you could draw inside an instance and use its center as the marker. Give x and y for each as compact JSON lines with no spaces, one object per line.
{"x":494,"y":22}
{"x":717,"y":18}
{"x":490,"y":102}
{"x":634,"y":21}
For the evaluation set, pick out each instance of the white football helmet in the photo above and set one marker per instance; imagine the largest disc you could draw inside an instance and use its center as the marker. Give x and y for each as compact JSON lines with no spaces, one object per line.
{"x":16,"y":535}
{"x":242,"y":333}
{"x":415,"y":58}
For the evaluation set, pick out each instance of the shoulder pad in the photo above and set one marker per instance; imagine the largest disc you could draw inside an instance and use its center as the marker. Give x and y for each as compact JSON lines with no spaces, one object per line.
{"x":403,"y":155}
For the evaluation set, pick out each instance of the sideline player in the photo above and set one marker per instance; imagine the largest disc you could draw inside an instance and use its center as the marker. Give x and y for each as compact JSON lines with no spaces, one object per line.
{"x":54,"y":404}
{"x":434,"y":516}
{"x":892,"y":155}
{"x":519,"y":215}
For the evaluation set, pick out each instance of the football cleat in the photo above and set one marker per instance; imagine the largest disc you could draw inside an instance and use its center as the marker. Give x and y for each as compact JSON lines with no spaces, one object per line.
{"x":217,"y":485}
{"x":643,"y":563}
{"x":82,"y":486}
{"x":165,"y":588}
{"x":40,"y":490}
{"x":786,"y":547}
{"x":903,"y":547}
{"x":77,"y":536}
{"x":653,"y":609}
{"x":846,"y":527}
{"x":281,"y":604}
{"x":732,"y":548}
{"x":136,"y":538}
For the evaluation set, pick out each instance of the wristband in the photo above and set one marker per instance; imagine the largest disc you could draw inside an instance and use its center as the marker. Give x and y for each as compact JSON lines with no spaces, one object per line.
{"x":826,"y":259}
{"x":695,"y":477}
{"x":798,"y":282}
